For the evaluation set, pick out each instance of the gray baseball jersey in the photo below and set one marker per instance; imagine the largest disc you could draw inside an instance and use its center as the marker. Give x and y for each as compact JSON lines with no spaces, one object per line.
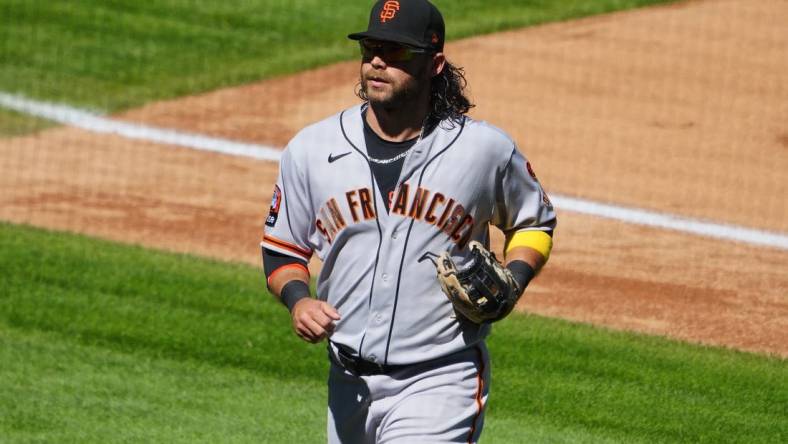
{"x":454,"y":183}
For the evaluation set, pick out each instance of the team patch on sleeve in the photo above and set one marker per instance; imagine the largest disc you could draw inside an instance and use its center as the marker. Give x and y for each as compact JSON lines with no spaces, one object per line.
{"x":546,"y":200}
{"x":273,"y":212}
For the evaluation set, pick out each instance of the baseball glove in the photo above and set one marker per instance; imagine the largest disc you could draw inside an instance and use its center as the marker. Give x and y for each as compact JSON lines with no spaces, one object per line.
{"x":485,"y":291}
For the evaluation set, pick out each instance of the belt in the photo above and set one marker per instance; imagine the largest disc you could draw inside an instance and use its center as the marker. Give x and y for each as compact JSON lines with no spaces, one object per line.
{"x":359,"y":366}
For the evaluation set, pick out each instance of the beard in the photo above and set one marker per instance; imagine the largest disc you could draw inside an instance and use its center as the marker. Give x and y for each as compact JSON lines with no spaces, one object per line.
{"x":393,"y":94}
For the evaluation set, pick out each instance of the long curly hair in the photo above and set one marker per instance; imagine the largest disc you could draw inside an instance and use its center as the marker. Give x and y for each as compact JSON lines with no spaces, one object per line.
{"x":447,"y":96}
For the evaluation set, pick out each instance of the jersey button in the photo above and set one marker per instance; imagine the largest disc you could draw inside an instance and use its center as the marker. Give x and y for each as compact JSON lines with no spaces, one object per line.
{"x":385,"y":277}
{"x":373,"y":358}
{"x":394,"y":235}
{"x":378,"y":318}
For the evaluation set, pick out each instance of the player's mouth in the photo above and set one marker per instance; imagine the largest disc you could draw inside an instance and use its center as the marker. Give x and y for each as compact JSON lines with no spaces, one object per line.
{"x":376,"y":82}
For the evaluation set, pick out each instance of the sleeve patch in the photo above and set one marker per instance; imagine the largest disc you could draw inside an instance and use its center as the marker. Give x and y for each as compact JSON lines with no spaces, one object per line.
{"x":546,"y":200}
{"x":273,"y":212}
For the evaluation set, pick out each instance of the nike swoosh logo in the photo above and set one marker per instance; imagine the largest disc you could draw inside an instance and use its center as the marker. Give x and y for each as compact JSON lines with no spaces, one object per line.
{"x":332,"y":158}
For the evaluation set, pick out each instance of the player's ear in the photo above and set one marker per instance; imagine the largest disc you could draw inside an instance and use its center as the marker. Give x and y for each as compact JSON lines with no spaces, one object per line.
{"x":438,"y":63}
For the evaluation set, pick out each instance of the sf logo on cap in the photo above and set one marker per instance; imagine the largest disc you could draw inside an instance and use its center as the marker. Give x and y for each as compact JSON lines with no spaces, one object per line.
{"x":389,"y":10}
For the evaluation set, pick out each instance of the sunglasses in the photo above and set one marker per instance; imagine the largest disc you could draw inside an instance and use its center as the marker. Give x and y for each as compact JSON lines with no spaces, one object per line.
{"x":388,"y":51}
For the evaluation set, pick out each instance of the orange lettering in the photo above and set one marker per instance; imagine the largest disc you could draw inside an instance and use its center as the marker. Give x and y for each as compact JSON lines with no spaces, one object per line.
{"x":322,"y":229}
{"x":401,"y":206}
{"x":336,"y":215}
{"x":437,"y":199}
{"x":352,"y":204}
{"x":366,"y":203}
{"x":466,"y":221}
{"x":445,"y":213}
{"x":418,"y":203}
{"x":456,"y":216}
{"x":332,"y":230}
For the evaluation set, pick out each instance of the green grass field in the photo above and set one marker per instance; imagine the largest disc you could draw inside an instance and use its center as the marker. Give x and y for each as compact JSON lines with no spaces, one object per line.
{"x":15,"y":124}
{"x":103,"y":343}
{"x":113,"y":55}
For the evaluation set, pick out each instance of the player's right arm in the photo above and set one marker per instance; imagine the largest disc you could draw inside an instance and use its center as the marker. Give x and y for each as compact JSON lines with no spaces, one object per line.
{"x":288,"y":279}
{"x":286,"y":249}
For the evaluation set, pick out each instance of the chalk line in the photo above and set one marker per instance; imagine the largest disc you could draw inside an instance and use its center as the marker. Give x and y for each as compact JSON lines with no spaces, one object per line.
{"x":96,"y":123}
{"x":93,"y":122}
{"x":671,"y":222}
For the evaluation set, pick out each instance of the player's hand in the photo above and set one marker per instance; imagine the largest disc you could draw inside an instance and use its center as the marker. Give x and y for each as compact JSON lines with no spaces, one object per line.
{"x":313,"y":320}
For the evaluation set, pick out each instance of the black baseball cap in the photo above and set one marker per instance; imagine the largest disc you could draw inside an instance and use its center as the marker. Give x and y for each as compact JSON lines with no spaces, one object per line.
{"x":416,"y":23}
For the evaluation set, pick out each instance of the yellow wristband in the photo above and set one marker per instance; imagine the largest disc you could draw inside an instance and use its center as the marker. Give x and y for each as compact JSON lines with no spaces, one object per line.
{"x":538,"y":240}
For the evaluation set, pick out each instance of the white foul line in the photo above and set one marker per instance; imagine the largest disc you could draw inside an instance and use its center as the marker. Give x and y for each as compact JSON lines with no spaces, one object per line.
{"x":672,"y":222}
{"x":96,"y":123}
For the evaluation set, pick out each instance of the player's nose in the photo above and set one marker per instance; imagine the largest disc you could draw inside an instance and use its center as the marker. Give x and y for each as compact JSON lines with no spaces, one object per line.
{"x":377,"y":62}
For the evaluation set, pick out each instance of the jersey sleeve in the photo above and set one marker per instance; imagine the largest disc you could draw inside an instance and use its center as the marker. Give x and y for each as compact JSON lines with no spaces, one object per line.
{"x":288,"y":225}
{"x":521,"y":202}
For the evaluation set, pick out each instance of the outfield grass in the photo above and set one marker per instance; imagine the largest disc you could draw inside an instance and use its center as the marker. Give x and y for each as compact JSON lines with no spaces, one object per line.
{"x":107,"y":343}
{"x":125,"y":53}
{"x":16,"y":124}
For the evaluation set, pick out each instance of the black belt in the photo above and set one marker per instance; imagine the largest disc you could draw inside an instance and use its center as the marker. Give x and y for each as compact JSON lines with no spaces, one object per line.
{"x":359,"y":366}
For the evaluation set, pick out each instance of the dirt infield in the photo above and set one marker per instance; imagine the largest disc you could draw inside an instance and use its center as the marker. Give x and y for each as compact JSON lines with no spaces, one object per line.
{"x":681,"y":109}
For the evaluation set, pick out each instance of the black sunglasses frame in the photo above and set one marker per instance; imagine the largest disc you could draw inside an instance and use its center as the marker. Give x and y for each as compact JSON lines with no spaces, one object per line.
{"x":389,"y":51}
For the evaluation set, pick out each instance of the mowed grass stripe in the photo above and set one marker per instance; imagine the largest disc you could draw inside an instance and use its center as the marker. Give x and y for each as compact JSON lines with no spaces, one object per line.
{"x":105,"y":343}
{"x":116,"y":55}
{"x":163,"y":305}
{"x":628,"y":386}
{"x":56,"y":389}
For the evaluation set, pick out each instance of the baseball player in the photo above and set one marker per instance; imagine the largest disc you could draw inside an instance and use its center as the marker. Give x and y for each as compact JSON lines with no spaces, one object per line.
{"x":396,"y":196}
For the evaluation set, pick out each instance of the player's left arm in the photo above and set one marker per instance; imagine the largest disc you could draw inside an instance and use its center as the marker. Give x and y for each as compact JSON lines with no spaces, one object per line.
{"x":525,"y":253}
{"x":526,"y":216}
{"x":487,"y":291}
